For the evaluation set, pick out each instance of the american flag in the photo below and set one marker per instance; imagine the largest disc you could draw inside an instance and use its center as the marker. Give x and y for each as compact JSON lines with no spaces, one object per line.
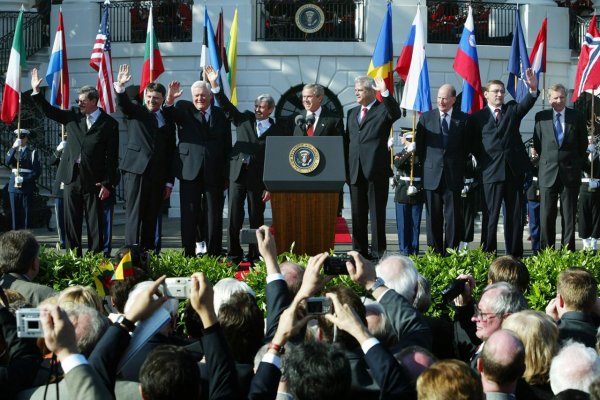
{"x":101,"y":61}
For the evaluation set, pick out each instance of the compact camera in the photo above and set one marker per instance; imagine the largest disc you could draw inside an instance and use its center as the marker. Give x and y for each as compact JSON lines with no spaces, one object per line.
{"x":453,"y":290}
{"x":248,"y":236}
{"x":336,"y":264}
{"x":319,"y":305}
{"x":179,"y":288}
{"x":28,"y":323}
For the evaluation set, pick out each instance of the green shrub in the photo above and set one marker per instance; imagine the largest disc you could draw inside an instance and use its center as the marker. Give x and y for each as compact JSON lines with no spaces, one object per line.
{"x":61,"y":270}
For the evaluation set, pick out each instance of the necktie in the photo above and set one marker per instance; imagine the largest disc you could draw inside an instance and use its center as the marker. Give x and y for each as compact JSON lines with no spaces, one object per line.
{"x":363,"y":115}
{"x":159,"y":120}
{"x":88,"y":120}
{"x":203,"y":117}
{"x":558,"y":130}
{"x":259,"y":128}
{"x":498,"y":113}
{"x":445,"y":130}
{"x":310,"y":130}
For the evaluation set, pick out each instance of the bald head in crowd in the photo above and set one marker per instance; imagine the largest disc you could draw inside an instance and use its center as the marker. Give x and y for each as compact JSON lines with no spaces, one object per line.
{"x":502,"y":362}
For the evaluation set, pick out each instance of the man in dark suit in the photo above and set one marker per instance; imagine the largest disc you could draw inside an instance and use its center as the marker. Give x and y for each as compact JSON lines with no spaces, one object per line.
{"x":246,"y":164}
{"x":560,"y":140}
{"x":146,"y":166}
{"x":442,"y":148}
{"x":324,"y":123}
{"x":200,"y":162}
{"x":499,"y":150}
{"x":89,"y":162}
{"x":367,"y":160}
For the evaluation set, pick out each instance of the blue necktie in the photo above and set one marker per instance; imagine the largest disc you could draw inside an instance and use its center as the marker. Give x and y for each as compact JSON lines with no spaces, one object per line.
{"x":558,"y":130}
{"x":445,"y":130}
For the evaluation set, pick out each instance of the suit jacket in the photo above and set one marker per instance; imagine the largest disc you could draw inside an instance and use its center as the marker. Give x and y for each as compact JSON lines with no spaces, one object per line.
{"x":497,"y":147}
{"x":147,"y":146}
{"x":278,"y":299}
{"x":567,"y":160}
{"x":200,"y":148}
{"x":578,"y":326}
{"x":33,"y":292}
{"x":365,"y":145}
{"x":247,"y":144}
{"x":98,"y":147}
{"x":439,"y":161}
{"x":327,"y":125}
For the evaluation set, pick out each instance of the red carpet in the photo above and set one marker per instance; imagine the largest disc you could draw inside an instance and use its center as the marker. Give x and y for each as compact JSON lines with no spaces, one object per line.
{"x":342,"y":234}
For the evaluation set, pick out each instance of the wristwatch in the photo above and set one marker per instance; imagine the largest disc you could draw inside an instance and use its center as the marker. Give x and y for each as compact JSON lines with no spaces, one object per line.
{"x":379,"y":282}
{"x":127,"y":324}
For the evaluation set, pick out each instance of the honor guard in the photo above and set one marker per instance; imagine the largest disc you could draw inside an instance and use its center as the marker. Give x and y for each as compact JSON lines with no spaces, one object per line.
{"x":26,"y":168}
{"x":589,"y":200}
{"x":533,"y":203}
{"x":409,"y":198}
{"x":470,"y":200}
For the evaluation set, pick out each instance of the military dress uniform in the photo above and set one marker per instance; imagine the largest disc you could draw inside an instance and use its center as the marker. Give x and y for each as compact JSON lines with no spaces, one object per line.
{"x":408,"y":208}
{"x":589,"y":205}
{"x":21,"y":198}
{"x":533,"y":207}
{"x":470,"y":200}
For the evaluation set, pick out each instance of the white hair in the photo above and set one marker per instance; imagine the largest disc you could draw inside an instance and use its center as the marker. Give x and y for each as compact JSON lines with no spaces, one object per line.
{"x":225,"y":288}
{"x":400,"y":274}
{"x":200,"y":84}
{"x":574,"y":367}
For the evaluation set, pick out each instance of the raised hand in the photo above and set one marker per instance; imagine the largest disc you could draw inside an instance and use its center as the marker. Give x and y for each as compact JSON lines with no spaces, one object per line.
{"x":531,"y":79}
{"x":211,"y":75}
{"x":124,"y":76}
{"x":313,"y":280}
{"x":201,"y":299}
{"x":173,"y":92}
{"x":346,"y":319}
{"x":35,"y":80}
{"x":380,"y":84}
{"x":59,"y":334}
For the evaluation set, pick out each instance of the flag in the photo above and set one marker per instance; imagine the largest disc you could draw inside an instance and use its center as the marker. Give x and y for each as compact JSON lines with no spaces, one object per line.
{"x":537,"y":58}
{"x":212,"y":55}
{"x":153,"y":65}
{"x":124,"y":269}
{"x":518,"y":62}
{"x":204,"y":58}
{"x":103,"y":278}
{"x":57,"y":74}
{"x":588,"y":68}
{"x":416,"y":95}
{"x":232,"y":58}
{"x":12,"y":85}
{"x":101,"y":61}
{"x":466,"y":64}
{"x":403,"y":64}
{"x":383,"y":55}
{"x":222,"y":57}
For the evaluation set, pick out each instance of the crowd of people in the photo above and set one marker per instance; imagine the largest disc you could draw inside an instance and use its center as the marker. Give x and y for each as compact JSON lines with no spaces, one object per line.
{"x":315,"y":340}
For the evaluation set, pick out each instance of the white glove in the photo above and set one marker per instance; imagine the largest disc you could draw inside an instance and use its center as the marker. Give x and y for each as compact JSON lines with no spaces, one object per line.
{"x":17,"y":143}
{"x":410,"y":147}
{"x":61,"y":145}
{"x":390,"y":143}
{"x":18,"y":179}
{"x":591,"y":148}
{"x":474,"y":160}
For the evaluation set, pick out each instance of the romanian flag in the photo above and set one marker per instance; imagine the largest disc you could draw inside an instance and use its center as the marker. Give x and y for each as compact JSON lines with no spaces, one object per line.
{"x":153,"y":65}
{"x":381,"y":63}
{"x":103,"y":277}
{"x":124,"y":269}
{"x":232,"y":57}
{"x":16,"y":62}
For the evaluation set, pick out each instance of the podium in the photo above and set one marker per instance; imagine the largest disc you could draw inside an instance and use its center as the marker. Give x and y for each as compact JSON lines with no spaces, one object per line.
{"x":304,"y":175}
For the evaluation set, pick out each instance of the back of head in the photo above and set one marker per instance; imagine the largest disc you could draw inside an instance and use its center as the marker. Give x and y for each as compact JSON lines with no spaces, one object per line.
{"x":243,"y":326}
{"x":578,"y":287}
{"x":345,"y":296}
{"x":170,"y":373}
{"x":509,"y":269}
{"x":449,"y":379}
{"x":139,"y":258}
{"x":507,"y":299}
{"x":503,"y":358}
{"x":400,"y":274}
{"x":378,"y":324}
{"x":574,"y":367}
{"x":89,"y":325}
{"x":293,"y":274}
{"x":539,"y":334}
{"x":317,"y":371}
{"x":18,"y":251}
{"x":119,"y":289}
{"x":414,"y":360}
{"x":422,"y":300}
{"x":80,"y":295}
{"x":225,"y":288}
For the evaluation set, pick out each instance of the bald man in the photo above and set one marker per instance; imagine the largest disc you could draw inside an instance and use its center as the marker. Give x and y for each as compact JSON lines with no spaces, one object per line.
{"x":442,"y":147}
{"x":501,"y":364}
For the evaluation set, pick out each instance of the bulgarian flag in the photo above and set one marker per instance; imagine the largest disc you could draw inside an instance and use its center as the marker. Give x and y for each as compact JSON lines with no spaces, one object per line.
{"x":12,"y":89}
{"x":124,"y":269}
{"x":153,"y":65}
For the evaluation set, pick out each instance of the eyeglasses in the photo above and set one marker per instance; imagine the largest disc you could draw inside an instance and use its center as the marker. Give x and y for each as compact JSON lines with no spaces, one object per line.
{"x":483,"y":316}
{"x":501,"y":91}
{"x":80,"y":101}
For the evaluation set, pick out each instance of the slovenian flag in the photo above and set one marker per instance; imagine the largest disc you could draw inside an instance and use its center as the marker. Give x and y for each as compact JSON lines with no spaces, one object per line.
{"x":416,"y":95}
{"x":383,"y":55}
{"x":153,"y":65}
{"x":537,"y":58}
{"x":57,"y":74}
{"x":466,"y":64}
{"x":12,"y":85}
{"x":518,"y":63}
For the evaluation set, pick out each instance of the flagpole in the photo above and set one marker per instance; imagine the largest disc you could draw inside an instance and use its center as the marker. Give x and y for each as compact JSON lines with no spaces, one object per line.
{"x":414,"y":140}
{"x":18,"y":173}
{"x":151,"y":47}
{"x":593,"y":119}
{"x":392,"y":149}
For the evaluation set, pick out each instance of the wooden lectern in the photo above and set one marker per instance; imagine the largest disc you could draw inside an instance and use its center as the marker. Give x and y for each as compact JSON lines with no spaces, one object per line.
{"x":304,"y":175}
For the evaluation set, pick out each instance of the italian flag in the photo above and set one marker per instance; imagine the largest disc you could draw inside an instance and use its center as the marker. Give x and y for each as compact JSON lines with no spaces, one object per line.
{"x":12,"y":89}
{"x":153,"y":65}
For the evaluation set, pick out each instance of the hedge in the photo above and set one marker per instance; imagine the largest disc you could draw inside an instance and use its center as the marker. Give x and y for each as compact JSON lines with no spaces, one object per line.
{"x":60,"y":270}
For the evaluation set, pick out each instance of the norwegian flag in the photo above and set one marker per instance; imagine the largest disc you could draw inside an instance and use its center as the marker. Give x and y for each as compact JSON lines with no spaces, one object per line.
{"x":588,"y":68}
{"x":101,"y":61}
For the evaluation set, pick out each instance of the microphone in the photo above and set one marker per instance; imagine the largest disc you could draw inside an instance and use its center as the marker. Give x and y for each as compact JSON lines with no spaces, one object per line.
{"x":310,"y":119}
{"x":300,"y":121}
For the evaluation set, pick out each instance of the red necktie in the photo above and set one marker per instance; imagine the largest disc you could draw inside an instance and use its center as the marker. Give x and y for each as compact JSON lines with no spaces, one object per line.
{"x":498,"y":114}
{"x":310,"y":131}
{"x":363,"y":115}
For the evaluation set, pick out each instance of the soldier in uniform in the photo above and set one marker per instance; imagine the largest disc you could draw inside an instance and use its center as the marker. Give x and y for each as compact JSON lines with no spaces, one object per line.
{"x":57,"y":193}
{"x":589,"y":201}
{"x":533,"y":203}
{"x":470,"y":200}
{"x":409,"y":205}
{"x":22,"y":179}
